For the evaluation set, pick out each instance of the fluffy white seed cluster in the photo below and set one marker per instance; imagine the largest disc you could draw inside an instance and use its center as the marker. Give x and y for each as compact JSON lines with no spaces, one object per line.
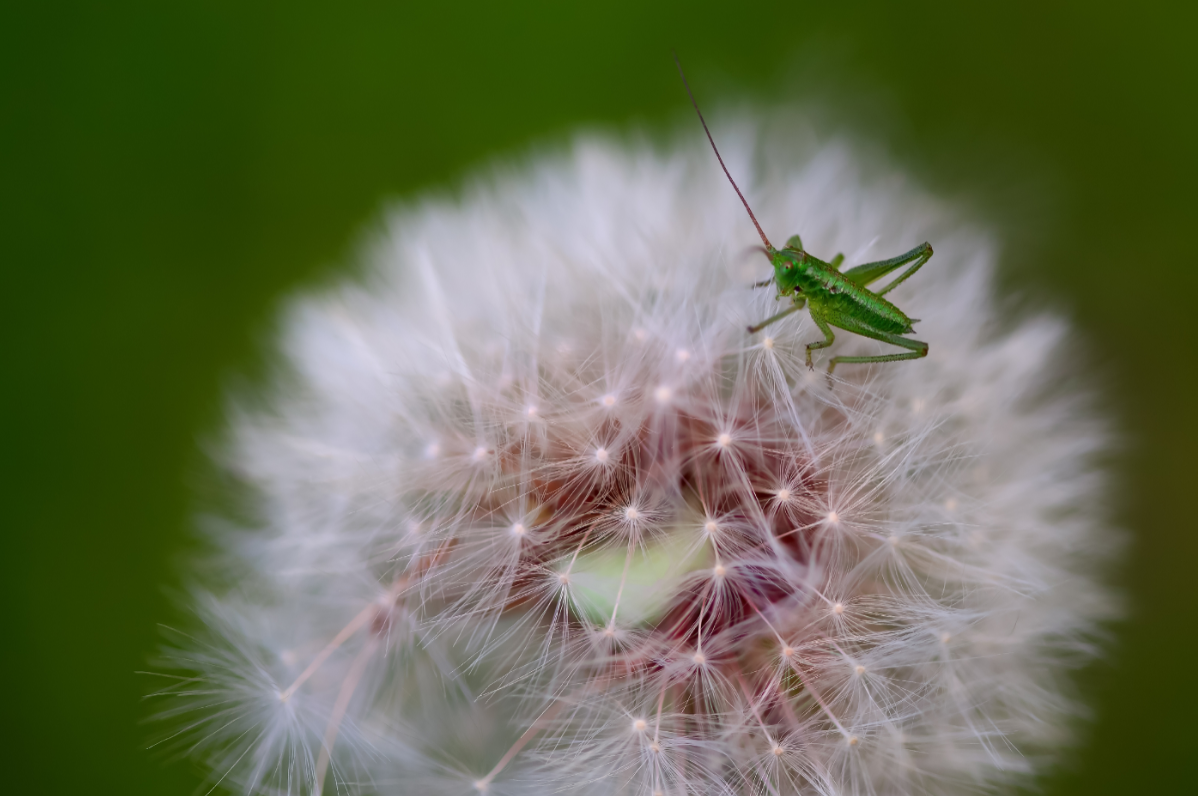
{"x":531,"y":512}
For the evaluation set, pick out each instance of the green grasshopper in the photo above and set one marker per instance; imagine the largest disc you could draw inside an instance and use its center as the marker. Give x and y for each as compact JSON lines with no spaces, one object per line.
{"x":835,"y":298}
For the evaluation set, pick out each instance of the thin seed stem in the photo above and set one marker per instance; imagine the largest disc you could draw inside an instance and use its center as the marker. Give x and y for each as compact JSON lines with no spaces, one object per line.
{"x":753,"y":705}
{"x":819,"y":701}
{"x":355,"y":624}
{"x":702,"y":612}
{"x":661,"y":701}
{"x":623,"y":578}
{"x":768,"y":624}
{"x":582,"y":544}
{"x":534,"y":728}
{"x":348,"y":686}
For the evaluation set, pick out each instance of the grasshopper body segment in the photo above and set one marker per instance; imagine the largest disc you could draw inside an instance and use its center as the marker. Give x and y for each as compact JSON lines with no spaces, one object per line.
{"x":843,"y":299}
{"x":798,"y":273}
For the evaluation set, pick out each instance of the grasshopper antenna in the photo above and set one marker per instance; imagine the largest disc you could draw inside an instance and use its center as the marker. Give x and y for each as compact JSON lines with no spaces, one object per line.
{"x":715,"y":149}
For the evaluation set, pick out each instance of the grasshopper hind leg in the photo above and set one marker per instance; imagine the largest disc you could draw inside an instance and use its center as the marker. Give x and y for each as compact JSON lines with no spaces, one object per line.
{"x":917,"y":348}
{"x":919,"y":351}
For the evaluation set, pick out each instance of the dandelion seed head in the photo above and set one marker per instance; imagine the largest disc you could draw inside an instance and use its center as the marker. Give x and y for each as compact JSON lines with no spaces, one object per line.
{"x":544,"y":509}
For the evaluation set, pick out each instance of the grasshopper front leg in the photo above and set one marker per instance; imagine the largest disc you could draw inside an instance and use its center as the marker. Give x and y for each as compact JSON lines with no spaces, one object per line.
{"x":799,"y":303}
{"x":829,"y":337}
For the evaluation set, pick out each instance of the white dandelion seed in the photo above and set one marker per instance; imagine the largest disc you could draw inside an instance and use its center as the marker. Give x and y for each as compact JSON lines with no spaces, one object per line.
{"x":689,"y":616}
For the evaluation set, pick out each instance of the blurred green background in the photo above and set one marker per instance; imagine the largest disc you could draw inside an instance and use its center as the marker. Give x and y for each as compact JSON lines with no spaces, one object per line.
{"x":171,"y":170}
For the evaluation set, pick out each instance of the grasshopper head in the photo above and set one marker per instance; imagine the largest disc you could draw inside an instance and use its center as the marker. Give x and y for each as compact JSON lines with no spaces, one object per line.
{"x":789,"y":262}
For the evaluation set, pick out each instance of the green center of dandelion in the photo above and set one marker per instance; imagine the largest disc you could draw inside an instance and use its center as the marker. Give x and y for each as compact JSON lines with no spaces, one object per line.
{"x":615,"y":586}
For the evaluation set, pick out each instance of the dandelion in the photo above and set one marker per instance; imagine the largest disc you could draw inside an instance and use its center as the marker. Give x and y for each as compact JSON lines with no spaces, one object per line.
{"x":532,"y":513}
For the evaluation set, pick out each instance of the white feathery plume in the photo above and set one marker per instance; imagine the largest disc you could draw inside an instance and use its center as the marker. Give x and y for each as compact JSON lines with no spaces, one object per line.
{"x":533,"y":512}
